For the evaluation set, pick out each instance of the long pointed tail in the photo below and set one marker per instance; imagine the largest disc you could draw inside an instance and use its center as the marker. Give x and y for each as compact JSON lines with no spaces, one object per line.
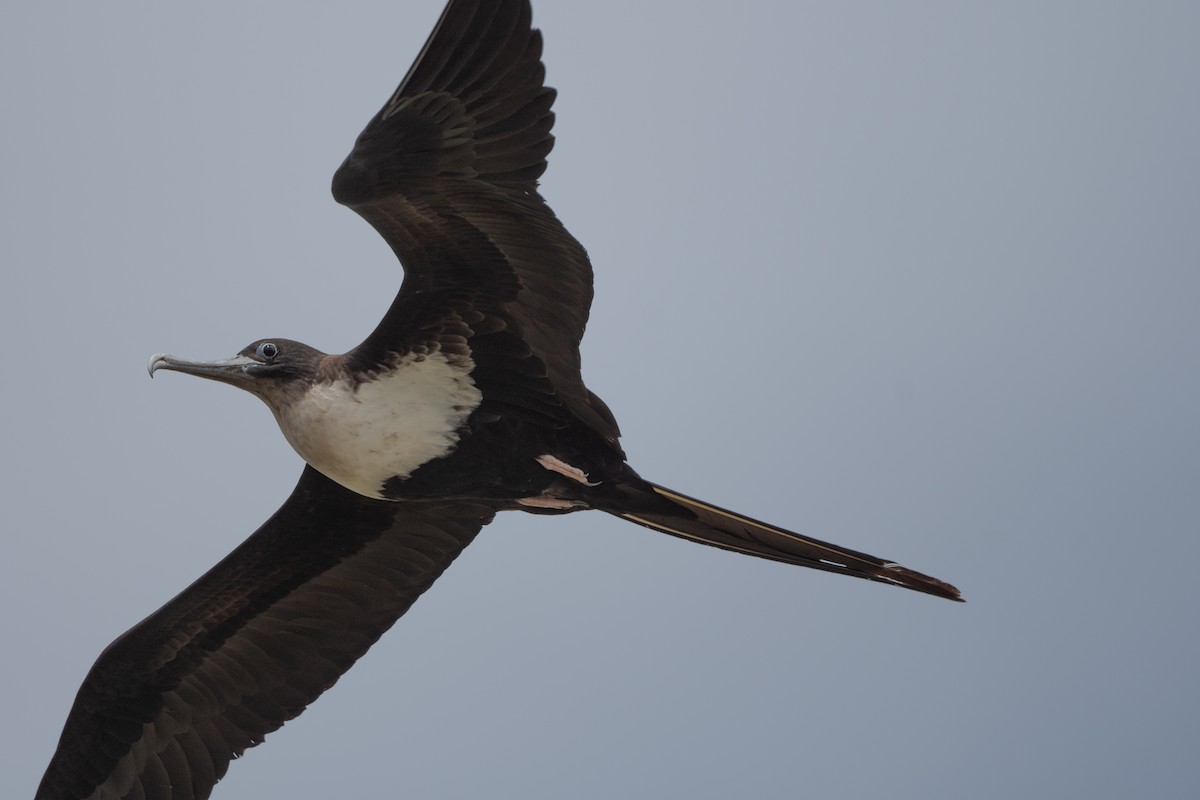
{"x":708,"y":524}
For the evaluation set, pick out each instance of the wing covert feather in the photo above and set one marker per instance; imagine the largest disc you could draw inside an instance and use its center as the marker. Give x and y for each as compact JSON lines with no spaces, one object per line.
{"x":447,"y":173}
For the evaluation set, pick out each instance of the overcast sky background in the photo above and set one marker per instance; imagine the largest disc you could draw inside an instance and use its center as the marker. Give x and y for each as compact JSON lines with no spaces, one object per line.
{"x":922,"y":279}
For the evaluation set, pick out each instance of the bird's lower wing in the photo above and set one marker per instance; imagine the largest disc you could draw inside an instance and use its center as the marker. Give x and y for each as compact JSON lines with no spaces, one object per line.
{"x":695,"y":520}
{"x":250,"y":644}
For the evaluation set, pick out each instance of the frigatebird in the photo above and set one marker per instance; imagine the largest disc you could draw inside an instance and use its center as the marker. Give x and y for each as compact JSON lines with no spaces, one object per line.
{"x":464,"y":401}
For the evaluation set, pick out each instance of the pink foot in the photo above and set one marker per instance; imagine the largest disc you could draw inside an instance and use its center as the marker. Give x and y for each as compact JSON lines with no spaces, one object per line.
{"x":563,"y":468}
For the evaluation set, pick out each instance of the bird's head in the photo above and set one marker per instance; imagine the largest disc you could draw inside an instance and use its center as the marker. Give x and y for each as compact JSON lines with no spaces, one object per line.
{"x":269,"y":368}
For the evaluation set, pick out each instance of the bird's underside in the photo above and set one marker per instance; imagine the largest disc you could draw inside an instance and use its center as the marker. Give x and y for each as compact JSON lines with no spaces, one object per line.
{"x":465,"y":400}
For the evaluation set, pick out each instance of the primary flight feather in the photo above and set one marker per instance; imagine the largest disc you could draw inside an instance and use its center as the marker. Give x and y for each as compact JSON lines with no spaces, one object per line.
{"x":465,"y":400}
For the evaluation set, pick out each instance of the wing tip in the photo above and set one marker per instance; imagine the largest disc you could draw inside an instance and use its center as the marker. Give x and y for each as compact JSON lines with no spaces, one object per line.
{"x":474,"y":104}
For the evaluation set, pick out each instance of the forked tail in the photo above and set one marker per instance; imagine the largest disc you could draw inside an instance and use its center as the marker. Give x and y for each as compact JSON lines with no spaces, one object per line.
{"x":708,"y":524}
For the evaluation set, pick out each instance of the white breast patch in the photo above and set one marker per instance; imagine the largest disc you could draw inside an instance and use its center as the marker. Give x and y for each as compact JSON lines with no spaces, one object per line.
{"x":384,"y":428}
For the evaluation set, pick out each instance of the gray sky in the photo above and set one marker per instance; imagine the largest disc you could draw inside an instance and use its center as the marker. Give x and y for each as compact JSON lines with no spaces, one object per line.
{"x":918,"y":278}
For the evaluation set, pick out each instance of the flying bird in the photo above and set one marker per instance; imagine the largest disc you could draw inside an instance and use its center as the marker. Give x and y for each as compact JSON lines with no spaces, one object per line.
{"x":465,"y":400}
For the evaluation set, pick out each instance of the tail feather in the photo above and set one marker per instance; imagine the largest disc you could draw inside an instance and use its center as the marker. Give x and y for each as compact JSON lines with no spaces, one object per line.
{"x":708,"y":524}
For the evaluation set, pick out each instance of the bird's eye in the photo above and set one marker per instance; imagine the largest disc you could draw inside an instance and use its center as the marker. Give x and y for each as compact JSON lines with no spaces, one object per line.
{"x":267,"y":351}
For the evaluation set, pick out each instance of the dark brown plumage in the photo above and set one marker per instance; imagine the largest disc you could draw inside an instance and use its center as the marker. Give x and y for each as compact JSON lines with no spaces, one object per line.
{"x":251,"y":643}
{"x":496,"y":295}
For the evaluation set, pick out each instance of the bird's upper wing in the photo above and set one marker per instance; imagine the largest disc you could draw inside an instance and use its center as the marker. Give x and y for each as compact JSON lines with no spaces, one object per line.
{"x":251,"y":643}
{"x":447,"y":172}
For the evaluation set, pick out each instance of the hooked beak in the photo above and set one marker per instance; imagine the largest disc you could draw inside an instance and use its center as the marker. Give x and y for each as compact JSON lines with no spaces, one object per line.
{"x":228,"y":370}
